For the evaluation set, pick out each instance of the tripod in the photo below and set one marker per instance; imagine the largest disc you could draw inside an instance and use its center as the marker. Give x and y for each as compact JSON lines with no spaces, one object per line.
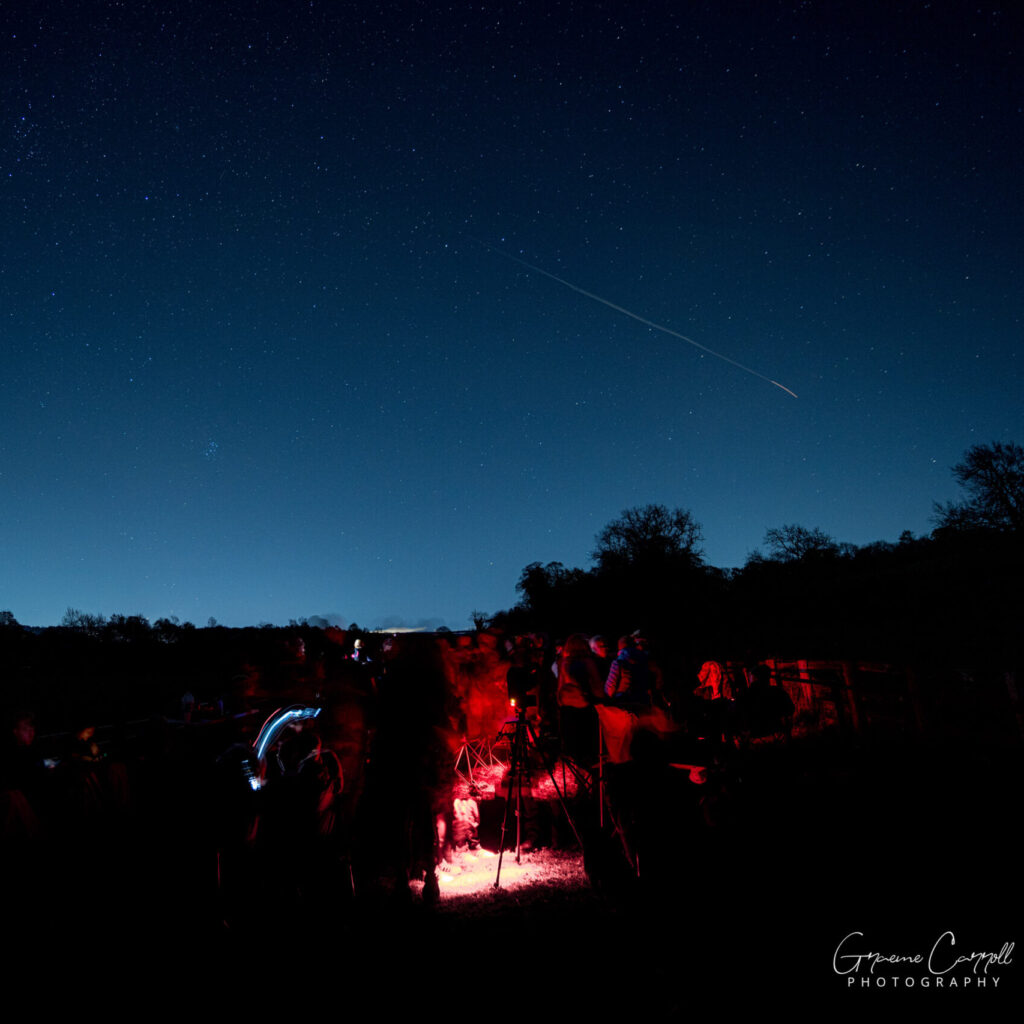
{"x":521,"y":737}
{"x":474,"y":755}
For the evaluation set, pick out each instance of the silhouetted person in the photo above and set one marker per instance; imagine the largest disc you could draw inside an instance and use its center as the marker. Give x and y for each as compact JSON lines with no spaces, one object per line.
{"x":602,"y":651}
{"x":22,"y":775}
{"x":764,"y":710}
{"x":579,"y":689}
{"x":405,"y":814}
{"x":296,"y":820}
{"x":711,"y":706}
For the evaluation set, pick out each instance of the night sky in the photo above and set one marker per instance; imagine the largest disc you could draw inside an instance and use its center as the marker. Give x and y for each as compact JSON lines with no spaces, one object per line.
{"x":264,"y":358}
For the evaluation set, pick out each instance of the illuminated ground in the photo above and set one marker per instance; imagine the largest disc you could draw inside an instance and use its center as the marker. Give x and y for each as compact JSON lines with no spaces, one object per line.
{"x":468,"y":881}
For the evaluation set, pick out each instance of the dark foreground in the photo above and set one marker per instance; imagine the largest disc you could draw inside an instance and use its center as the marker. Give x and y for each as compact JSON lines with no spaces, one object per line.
{"x":904,"y":847}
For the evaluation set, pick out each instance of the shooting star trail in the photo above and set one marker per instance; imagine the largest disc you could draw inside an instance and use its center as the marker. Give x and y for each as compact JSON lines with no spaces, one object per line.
{"x":636,"y":316}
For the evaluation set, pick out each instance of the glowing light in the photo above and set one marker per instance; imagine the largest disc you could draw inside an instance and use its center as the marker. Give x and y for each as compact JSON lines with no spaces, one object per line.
{"x":273,"y":726}
{"x":470,"y":876}
{"x":252,"y":774}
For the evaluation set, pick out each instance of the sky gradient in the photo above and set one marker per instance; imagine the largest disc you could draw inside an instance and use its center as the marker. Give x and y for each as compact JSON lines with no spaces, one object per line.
{"x":264,"y":356}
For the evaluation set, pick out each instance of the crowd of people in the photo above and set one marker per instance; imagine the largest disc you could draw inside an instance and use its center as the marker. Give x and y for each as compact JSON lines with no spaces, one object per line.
{"x":298,"y":825}
{"x":587,"y":684}
{"x":644,"y":736}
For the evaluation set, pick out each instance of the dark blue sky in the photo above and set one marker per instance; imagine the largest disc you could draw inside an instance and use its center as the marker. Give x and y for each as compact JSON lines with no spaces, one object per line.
{"x":257,"y":365}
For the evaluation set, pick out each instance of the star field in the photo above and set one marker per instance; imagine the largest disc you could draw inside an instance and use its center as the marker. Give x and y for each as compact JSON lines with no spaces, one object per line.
{"x":258,"y":364}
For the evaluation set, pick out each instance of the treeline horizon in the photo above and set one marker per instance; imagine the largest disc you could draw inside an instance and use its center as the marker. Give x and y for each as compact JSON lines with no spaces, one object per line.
{"x":953,"y":595}
{"x":950,"y":598}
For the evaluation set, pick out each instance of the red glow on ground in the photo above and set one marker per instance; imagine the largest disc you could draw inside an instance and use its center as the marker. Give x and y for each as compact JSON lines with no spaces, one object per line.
{"x":472,"y":875}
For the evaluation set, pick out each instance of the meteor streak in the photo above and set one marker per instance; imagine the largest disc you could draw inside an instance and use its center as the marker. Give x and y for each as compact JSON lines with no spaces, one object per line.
{"x":636,"y":316}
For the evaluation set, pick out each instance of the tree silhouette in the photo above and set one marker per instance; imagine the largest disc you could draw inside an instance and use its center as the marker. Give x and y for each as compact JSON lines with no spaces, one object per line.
{"x":128,"y":628}
{"x":83,"y":622}
{"x":546,"y":588}
{"x":793,"y":543}
{"x":993,"y":476}
{"x":648,"y":535}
